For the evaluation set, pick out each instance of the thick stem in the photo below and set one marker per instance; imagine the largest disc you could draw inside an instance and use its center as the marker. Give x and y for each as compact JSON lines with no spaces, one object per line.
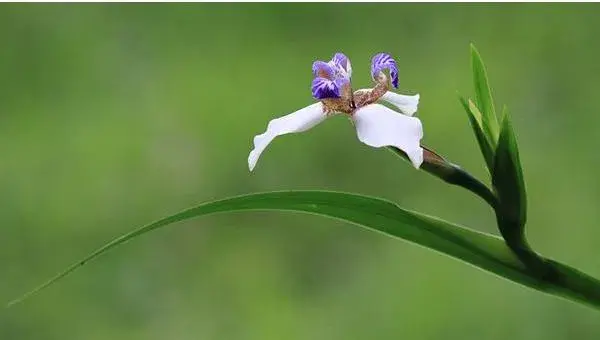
{"x":453,"y":174}
{"x":439,"y":167}
{"x":515,"y":239}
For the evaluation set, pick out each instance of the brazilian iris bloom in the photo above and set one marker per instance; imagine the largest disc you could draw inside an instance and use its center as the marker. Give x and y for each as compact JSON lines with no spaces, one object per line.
{"x":376,"y":125}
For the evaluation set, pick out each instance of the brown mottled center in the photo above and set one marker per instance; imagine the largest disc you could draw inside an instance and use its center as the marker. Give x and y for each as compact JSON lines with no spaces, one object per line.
{"x":349,"y":102}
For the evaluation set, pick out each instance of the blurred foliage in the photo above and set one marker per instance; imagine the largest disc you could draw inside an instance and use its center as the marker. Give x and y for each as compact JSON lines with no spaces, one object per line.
{"x":114,"y":115}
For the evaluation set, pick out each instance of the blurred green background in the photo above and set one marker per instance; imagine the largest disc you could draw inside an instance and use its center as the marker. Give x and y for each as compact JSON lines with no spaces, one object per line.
{"x":114,"y":115}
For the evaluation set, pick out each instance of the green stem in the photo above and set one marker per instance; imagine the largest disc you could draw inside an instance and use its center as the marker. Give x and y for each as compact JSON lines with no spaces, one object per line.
{"x":559,"y":278}
{"x":517,"y":242}
{"x":439,"y":167}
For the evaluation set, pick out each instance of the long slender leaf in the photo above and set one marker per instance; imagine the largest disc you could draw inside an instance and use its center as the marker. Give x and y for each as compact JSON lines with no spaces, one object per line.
{"x":481,"y":250}
{"x":483,"y":94}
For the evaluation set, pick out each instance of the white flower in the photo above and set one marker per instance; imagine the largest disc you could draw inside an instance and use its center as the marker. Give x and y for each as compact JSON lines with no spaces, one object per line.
{"x":376,"y":125}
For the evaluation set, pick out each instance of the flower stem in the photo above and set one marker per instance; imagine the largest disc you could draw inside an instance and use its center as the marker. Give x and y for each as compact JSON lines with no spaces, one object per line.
{"x":452,"y":174}
{"x":455,"y":175}
{"x":552,"y":276}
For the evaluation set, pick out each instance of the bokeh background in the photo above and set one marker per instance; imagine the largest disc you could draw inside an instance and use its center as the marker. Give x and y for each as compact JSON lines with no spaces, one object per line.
{"x":115,"y":115}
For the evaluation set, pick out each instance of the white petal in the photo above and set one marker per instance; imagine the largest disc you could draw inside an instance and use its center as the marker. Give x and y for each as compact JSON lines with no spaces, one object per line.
{"x":406,"y":104}
{"x":298,"y":121}
{"x":378,"y":126}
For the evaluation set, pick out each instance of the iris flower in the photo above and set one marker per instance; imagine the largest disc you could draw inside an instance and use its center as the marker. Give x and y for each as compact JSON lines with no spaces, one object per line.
{"x":376,"y":125}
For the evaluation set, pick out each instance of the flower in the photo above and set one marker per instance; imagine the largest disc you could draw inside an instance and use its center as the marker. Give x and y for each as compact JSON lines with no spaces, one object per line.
{"x":376,"y":125}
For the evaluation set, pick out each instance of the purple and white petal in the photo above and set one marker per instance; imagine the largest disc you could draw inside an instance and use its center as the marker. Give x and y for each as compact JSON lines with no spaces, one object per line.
{"x":343,"y":63}
{"x":298,"y":121}
{"x":406,"y":104}
{"x":323,"y":88}
{"x":383,"y":61}
{"x":379,"y":126}
{"x":322,"y":69}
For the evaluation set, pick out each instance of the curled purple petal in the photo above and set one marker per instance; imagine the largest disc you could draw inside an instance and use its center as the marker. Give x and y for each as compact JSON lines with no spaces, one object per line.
{"x":331,"y":79}
{"x":322,"y":69}
{"x":343,"y":63}
{"x":323,"y":88}
{"x":383,"y":61}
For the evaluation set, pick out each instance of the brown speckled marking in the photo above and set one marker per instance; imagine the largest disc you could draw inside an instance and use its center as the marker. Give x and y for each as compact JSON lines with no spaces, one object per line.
{"x":344,"y":104}
{"x":349,"y":102}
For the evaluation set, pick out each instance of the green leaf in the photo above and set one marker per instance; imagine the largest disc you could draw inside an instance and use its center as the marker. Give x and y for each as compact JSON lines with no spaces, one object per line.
{"x":478,"y":249}
{"x":483,"y":95}
{"x":507,"y":177}
{"x":485,"y":144}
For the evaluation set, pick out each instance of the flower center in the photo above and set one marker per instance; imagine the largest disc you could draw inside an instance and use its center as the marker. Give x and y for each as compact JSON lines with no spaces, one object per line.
{"x":349,"y":102}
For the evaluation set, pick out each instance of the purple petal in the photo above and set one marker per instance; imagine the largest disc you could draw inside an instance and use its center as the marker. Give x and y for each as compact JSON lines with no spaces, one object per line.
{"x":341,"y":61}
{"x":323,"y":88}
{"x":322,"y":69}
{"x":383,"y":61}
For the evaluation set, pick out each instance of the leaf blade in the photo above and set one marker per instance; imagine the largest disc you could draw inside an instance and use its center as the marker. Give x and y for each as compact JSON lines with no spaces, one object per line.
{"x":483,"y":95}
{"x":481,"y":250}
